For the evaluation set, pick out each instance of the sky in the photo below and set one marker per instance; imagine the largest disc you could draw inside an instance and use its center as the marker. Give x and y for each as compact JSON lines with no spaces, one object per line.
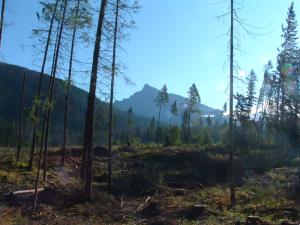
{"x":175,"y":42}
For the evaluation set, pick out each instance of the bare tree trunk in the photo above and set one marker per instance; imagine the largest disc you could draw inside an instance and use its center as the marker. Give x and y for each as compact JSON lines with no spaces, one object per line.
{"x":47,"y":114}
{"x":45,"y":122}
{"x":232,"y":191}
{"x":43,"y":132}
{"x":277,"y":115}
{"x":109,"y":172}
{"x":38,"y":172}
{"x":189,"y":126}
{"x":21,"y":117}
{"x":158,"y":121}
{"x":282,"y":116}
{"x":63,"y":157}
{"x":87,"y":156}
{"x":51,"y":92}
{"x":36,"y":112}
{"x":2,"y":20}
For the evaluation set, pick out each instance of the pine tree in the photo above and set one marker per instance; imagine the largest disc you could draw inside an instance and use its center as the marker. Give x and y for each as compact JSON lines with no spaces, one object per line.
{"x":47,"y":112}
{"x":79,"y":18}
{"x":192,"y":101}
{"x":49,"y":105}
{"x":251,"y":92}
{"x":113,"y":71}
{"x":288,"y":78}
{"x":87,"y":157}
{"x":161,"y":100}
{"x":37,"y":99}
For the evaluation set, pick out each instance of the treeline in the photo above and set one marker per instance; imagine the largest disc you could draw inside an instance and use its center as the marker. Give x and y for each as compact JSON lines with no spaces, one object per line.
{"x":195,"y":127}
{"x":271,"y":116}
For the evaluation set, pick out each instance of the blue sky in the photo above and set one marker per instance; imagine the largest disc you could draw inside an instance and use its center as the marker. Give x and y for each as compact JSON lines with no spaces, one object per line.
{"x":175,"y":43}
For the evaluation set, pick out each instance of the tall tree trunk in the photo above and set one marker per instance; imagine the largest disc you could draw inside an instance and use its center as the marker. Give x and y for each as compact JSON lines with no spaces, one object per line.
{"x":158,"y":126}
{"x":113,"y":70}
{"x":282,"y":115}
{"x":158,"y":121}
{"x":278,"y":114}
{"x":2,"y":20}
{"x":21,"y":108}
{"x":189,"y":126}
{"x":63,"y":157}
{"x":87,"y":156}
{"x":51,"y":91}
{"x":231,"y":132}
{"x":47,"y":114}
{"x":36,"y":111}
{"x":42,"y":137}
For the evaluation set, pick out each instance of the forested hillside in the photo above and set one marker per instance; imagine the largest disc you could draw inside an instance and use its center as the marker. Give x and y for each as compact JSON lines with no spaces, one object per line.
{"x":11,"y":77}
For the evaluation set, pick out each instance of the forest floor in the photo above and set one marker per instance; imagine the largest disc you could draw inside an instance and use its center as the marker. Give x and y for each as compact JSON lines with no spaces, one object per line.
{"x":166,"y":186}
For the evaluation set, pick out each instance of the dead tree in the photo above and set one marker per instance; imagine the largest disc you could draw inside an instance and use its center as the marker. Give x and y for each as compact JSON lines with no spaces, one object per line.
{"x":37,"y":107}
{"x":231,"y":135}
{"x":47,"y":115}
{"x":113,"y":70}
{"x":51,"y":92}
{"x":234,"y":41}
{"x":68,"y":85}
{"x":2,"y":19}
{"x":87,"y":156}
{"x":21,"y":108}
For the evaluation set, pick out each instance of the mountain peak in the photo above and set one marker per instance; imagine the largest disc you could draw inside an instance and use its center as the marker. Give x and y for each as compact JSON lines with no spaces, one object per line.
{"x":143,"y":104}
{"x":147,"y":86}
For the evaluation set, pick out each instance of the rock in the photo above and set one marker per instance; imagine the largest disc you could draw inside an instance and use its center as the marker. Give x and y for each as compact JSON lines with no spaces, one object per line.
{"x":201,"y":186}
{"x":238,"y":223}
{"x":151,"y":209}
{"x":175,"y":185}
{"x":160,"y":221}
{"x":288,"y":223}
{"x":179,"y":192}
{"x":194,"y":212}
{"x":254,"y":220}
{"x":101,"y":151}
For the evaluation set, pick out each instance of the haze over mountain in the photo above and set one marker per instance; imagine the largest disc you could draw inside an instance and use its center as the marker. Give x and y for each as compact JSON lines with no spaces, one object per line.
{"x":142,"y":103}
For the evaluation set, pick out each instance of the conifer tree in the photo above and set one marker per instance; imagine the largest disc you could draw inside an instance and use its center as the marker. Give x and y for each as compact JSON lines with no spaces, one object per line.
{"x":192,"y":101}
{"x":288,"y":72}
{"x":37,"y":99}
{"x":251,"y":92}
{"x":87,"y":157}
{"x":79,"y":18}
{"x":49,"y":101}
{"x":161,"y":100}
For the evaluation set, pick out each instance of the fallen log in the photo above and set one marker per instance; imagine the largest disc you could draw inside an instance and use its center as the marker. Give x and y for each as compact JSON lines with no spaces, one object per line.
{"x":14,"y":194}
{"x":288,"y":223}
{"x":254,"y":220}
{"x":30,"y":191}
